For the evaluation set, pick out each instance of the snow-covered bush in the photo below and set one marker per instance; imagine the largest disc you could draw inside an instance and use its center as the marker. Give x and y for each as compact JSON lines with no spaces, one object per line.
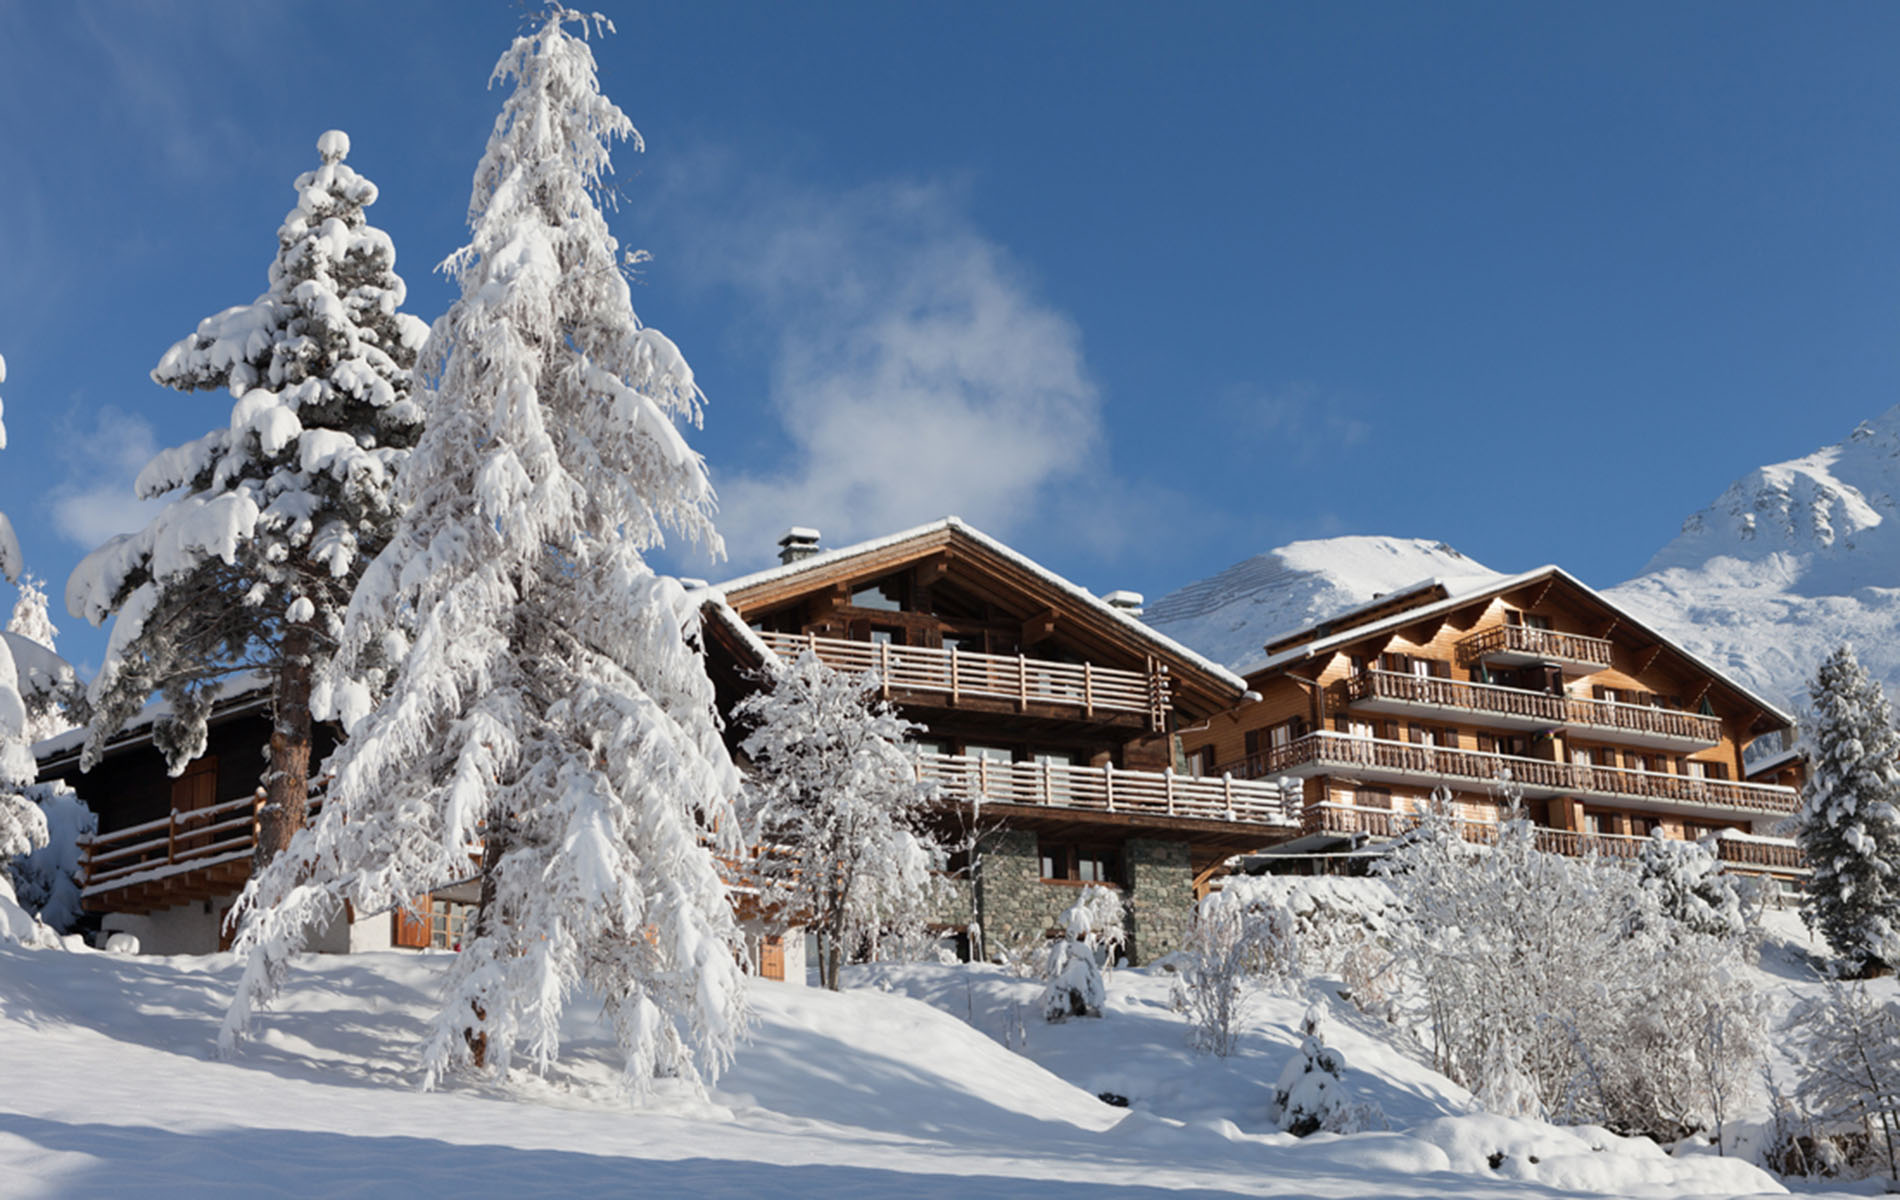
{"x":270,"y":519}
{"x":1688,"y":884}
{"x":1558,"y":988}
{"x":837,"y":809}
{"x":1848,"y":1045}
{"x":1311,"y":1095}
{"x":46,"y":879}
{"x":1238,"y":941}
{"x":1093,"y":931}
{"x":1849,"y":822}
{"x":549,"y":706}
{"x":1341,"y":926}
{"x":46,"y":698}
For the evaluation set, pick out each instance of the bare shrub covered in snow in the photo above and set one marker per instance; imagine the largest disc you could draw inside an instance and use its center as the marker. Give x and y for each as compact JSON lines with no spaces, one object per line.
{"x":1687,"y":882}
{"x":1240,"y":940}
{"x":549,"y":705}
{"x":271,"y":518}
{"x":838,"y":810}
{"x":1849,"y":822}
{"x":1849,"y":1046}
{"x":1559,"y":988}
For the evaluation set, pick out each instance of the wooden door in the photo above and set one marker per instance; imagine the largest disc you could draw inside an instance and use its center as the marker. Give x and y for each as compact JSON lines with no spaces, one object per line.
{"x":196,"y":789}
{"x":772,"y":957}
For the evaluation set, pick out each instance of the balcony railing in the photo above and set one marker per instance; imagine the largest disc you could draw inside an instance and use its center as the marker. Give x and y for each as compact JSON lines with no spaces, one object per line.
{"x":164,"y":853}
{"x":1661,"y":725}
{"x":1080,"y":687}
{"x":1747,"y":852}
{"x":1318,"y":753}
{"x":1109,"y":790}
{"x":1527,"y":642}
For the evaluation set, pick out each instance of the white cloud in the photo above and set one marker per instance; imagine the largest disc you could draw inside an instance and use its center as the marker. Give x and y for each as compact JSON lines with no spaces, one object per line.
{"x":915,"y":371}
{"x":96,"y":500}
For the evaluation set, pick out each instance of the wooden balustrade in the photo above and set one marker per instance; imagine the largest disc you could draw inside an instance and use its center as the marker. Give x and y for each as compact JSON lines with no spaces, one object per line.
{"x":1108,"y":789}
{"x":1327,"y":752}
{"x":1430,"y":691}
{"x":174,"y":844}
{"x":1748,"y":852}
{"x":1529,"y":642}
{"x":1083,"y":688}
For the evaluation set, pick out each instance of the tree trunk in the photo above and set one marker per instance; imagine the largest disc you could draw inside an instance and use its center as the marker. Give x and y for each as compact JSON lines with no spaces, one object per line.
{"x":287,"y":779}
{"x":487,"y":916}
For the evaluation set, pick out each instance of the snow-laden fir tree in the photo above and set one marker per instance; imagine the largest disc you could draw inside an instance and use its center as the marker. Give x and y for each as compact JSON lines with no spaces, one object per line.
{"x":1849,"y":822}
{"x":548,"y":711}
{"x":836,"y":807}
{"x":270,"y":520}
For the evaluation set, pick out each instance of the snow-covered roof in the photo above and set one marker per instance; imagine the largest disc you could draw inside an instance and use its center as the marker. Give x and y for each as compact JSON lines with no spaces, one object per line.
{"x":1134,"y":627}
{"x":1462,"y":596}
{"x":242,"y":690}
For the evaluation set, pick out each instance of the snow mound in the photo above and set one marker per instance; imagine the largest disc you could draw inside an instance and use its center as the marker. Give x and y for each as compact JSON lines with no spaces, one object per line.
{"x":1230,"y":616}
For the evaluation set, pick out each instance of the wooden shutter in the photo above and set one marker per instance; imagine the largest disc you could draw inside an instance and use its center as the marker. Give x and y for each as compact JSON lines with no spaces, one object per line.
{"x":411,"y":929}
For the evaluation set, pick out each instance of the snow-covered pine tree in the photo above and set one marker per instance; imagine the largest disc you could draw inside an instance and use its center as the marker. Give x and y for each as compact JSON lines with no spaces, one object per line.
{"x":1849,"y":822}
{"x":836,"y":806}
{"x":22,"y":826}
{"x":270,"y":520}
{"x":549,"y":710}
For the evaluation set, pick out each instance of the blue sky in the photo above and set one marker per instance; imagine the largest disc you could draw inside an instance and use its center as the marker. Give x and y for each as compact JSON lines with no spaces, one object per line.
{"x":1142,"y":289}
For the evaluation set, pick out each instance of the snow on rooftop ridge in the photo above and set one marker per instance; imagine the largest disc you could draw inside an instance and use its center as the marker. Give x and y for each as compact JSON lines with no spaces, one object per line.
{"x":1230,"y":616}
{"x":1134,"y":626}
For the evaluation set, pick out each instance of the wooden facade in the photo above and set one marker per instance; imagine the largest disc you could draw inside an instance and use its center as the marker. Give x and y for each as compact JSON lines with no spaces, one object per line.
{"x":1608,"y":730}
{"x":1043,"y":709}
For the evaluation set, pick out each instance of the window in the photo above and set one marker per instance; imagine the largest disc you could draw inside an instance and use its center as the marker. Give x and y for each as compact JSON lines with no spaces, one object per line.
{"x":1373,"y":797}
{"x":1068,"y":862}
{"x":886,"y":595}
{"x":1251,"y":742}
{"x":963,"y":643}
{"x":881,"y":636}
{"x":997,"y":754}
{"x":448,"y":923}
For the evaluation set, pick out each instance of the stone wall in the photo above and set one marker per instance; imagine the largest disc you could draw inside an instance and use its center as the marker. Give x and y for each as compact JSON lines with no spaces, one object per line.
{"x":1160,"y":897}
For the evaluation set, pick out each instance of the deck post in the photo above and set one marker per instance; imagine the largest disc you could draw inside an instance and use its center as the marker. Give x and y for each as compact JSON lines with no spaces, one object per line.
{"x":884,"y":667}
{"x":1088,"y":689}
{"x":1108,"y":784}
{"x":1167,"y":776}
{"x":1227,"y":787}
{"x":1047,"y":791}
{"x":171,"y":837}
{"x":955,"y":687}
{"x":1022,"y":683}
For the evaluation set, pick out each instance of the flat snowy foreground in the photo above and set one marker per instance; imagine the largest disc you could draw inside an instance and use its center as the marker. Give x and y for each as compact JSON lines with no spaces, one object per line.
{"x":110,"y":1087}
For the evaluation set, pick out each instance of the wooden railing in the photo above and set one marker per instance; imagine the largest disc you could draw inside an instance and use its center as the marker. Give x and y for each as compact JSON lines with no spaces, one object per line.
{"x":1334,"y":751}
{"x":1107,"y":789}
{"x":1403,"y":687}
{"x":174,"y":843}
{"x":1544,"y":643}
{"x":1019,"y":679}
{"x":1778,"y":854}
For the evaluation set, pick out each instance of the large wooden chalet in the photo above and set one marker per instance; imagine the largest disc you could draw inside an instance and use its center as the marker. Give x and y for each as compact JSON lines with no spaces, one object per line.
{"x":1051,"y":719}
{"x":1610,"y":730}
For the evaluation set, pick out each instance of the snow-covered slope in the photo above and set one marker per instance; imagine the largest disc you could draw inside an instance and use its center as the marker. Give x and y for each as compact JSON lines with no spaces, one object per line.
{"x":1231,"y":615}
{"x":111,"y":1090}
{"x":1791,"y":560}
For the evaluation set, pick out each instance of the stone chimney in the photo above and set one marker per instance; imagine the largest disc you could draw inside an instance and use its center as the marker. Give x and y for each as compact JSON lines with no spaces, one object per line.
{"x":797,"y":543}
{"x":1126,"y":602}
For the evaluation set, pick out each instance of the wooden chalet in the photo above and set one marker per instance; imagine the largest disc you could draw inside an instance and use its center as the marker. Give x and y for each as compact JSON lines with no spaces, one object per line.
{"x":1611,"y":731}
{"x":1052,"y":718}
{"x":171,"y":854}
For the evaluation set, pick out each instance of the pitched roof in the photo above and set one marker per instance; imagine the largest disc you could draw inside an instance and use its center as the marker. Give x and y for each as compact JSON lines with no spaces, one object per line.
{"x":956,"y":528}
{"x":1329,"y":641}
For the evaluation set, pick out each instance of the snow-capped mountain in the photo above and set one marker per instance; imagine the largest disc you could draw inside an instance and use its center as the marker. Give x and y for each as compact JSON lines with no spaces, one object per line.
{"x":1790,"y":561}
{"x":1231,"y":615}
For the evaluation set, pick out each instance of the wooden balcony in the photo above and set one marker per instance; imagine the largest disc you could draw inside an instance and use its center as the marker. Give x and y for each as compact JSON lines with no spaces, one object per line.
{"x":176,"y":859}
{"x":1516,"y":708}
{"x":1746,"y":853}
{"x":925,"y":674}
{"x":1511,"y":645}
{"x":1425,"y":766}
{"x":1109,"y":790}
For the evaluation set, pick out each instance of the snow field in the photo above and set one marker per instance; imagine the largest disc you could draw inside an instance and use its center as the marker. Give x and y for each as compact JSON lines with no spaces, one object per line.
{"x":113,"y":1087}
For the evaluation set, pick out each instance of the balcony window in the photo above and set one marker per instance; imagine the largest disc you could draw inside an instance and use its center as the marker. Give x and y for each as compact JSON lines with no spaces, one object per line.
{"x":1528,"y":620}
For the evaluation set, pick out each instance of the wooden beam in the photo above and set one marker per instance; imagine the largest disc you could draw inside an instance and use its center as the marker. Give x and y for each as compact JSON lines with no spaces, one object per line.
{"x":1038,"y":628}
